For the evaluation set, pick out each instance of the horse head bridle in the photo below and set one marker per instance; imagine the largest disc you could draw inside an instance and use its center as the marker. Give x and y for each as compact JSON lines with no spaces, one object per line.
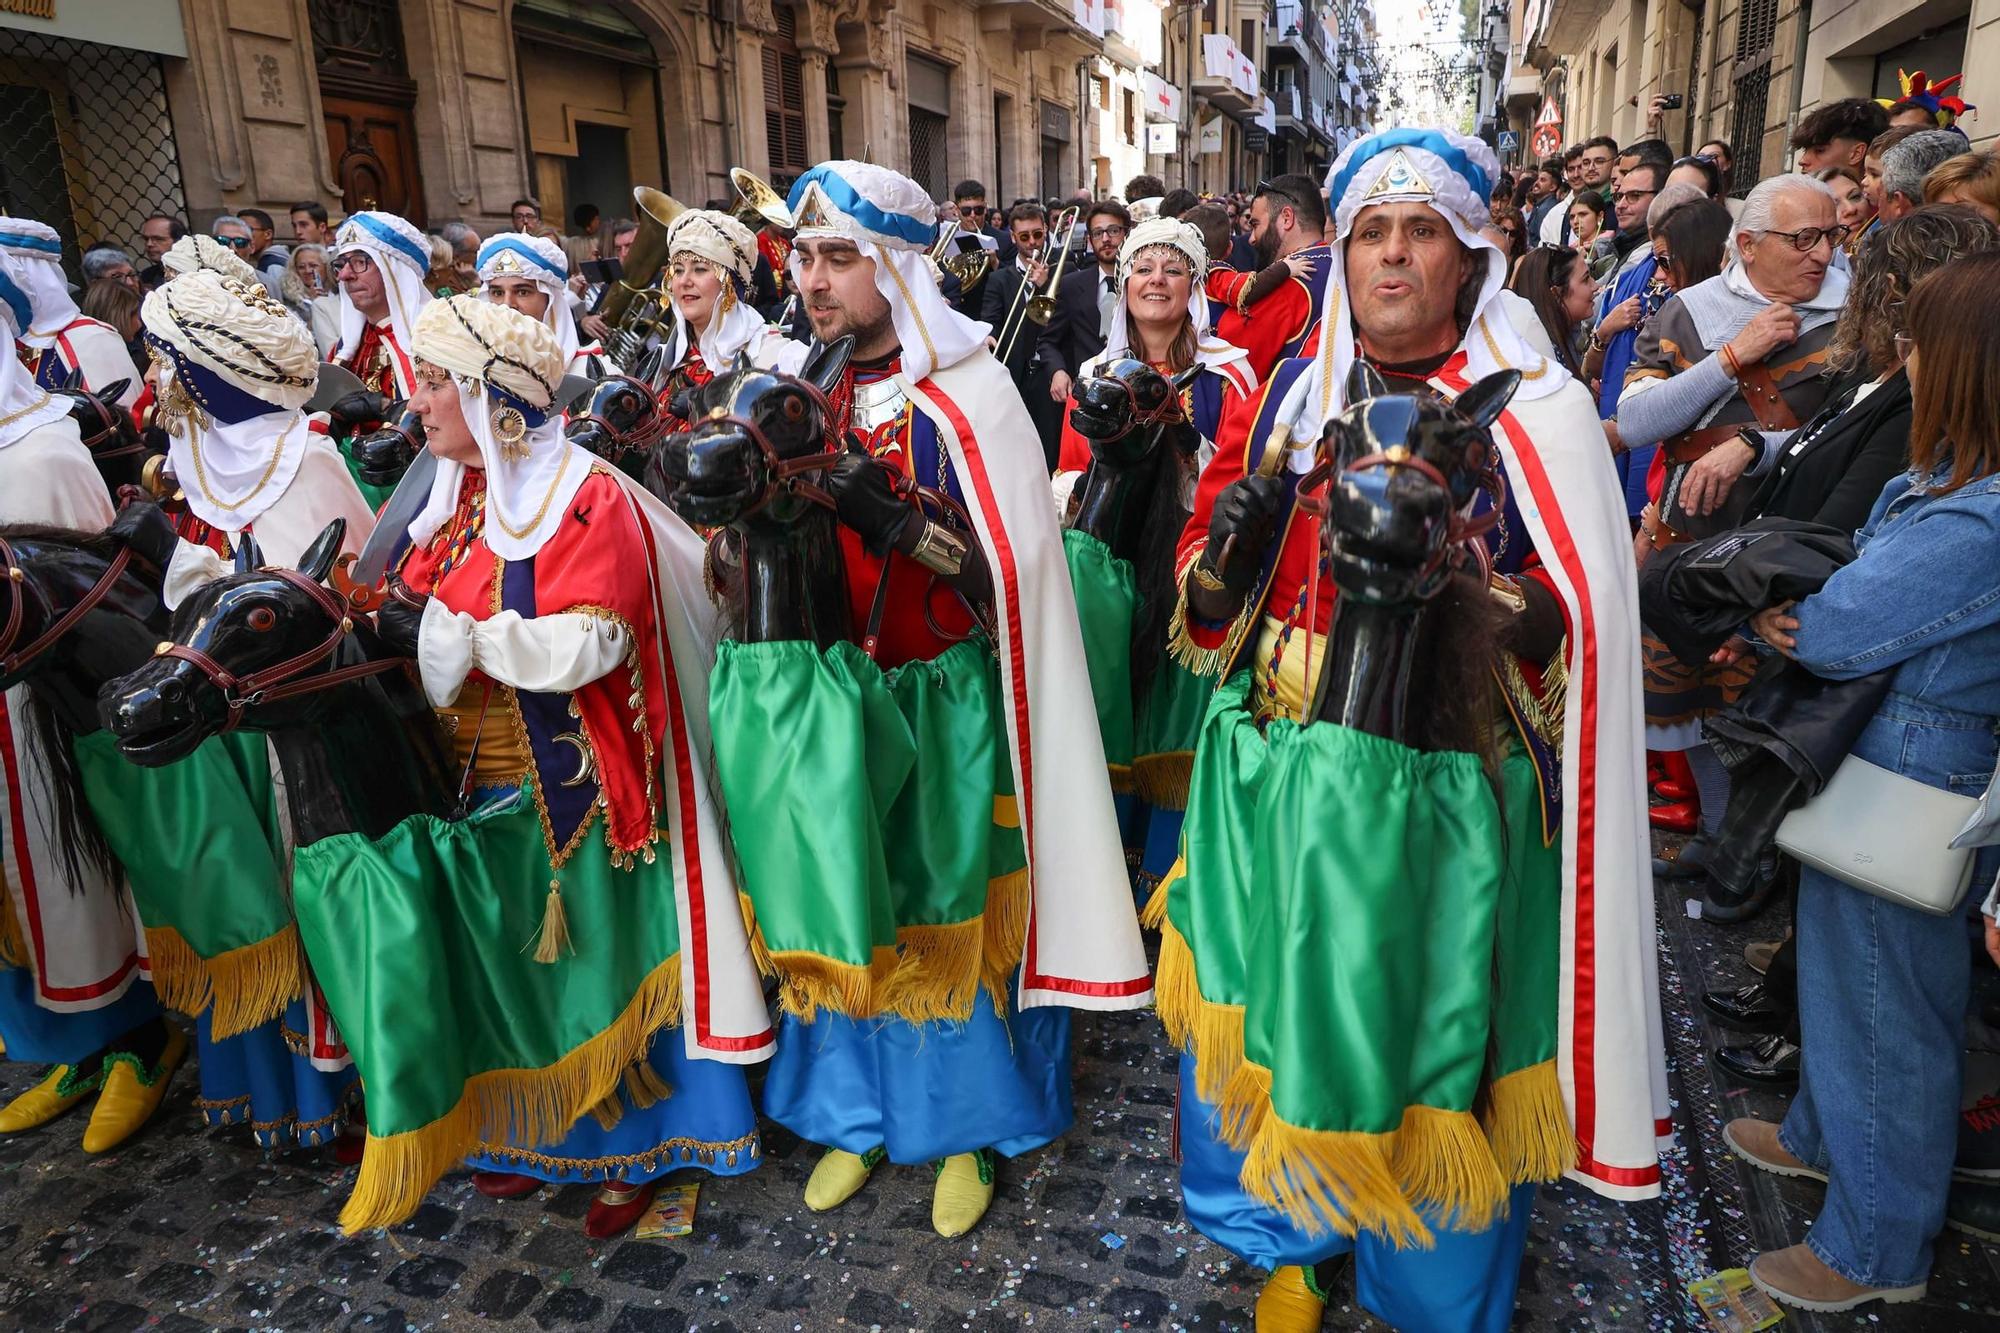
{"x":14,"y":660}
{"x":1463,"y":532}
{"x":285,"y":680}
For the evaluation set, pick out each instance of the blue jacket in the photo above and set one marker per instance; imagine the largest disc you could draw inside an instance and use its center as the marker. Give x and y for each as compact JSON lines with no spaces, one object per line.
{"x":1618,"y":351}
{"x":1923,"y":597}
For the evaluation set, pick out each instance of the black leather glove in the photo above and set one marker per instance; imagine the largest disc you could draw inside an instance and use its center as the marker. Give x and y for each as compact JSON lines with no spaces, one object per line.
{"x":867,"y":503}
{"x":382,"y":456}
{"x":1248,"y":510}
{"x":144,"y":528}
{"x":398,"y":621}
{"x":363,"y":407}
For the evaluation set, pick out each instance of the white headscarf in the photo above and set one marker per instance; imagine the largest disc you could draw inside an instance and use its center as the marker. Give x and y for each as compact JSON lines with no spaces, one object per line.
{"x":404,"y":257}
{"x":730,"y":246}
{"x":513,"y":254}
{"x":24,"y":404}
{"x":1210,"y":350}
{"x":891,"y":220}
{"x":39,"y":277}
{"x":505,"y":365}
{"x":1453,"y":174}
{"x":193,"y":252}
{"x":250,"y":366}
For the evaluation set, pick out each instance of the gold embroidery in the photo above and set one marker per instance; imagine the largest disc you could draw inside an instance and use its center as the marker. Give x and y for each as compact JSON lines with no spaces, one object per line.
{"x":681,"y":1150}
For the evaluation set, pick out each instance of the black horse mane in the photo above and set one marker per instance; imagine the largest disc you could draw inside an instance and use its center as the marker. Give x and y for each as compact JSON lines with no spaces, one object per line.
{"x":1452,"y":663}
{"x":1153,"y":570}
{"x":96,"y":543}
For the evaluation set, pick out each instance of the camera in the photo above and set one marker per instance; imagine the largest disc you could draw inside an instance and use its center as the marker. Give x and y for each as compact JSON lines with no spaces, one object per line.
{"x":1670,"y":101}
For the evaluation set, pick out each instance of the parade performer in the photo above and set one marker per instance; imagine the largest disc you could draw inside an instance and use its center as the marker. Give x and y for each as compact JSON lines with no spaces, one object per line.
{"x":195,"y":251}
{"x":380,"y":262}
{"x":711,"y":263}
{"x":1319,"y":1120}
{"x":57,"y":340}
{"x":969,"y":884}
{"x":1120,"y":547}
{"x":73,"y":992}
{"x":587,"y":985}
{"x":1288,"y":218}
{"x":531,"y":274}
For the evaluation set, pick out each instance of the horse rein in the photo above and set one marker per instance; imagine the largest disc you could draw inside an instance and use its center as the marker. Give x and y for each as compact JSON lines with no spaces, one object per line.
{"x":648,"y":432}
{"x":283,"y":681}
{"x":14,"y":660}
{"x":1463,"y":532}
{"x":107,"y":428}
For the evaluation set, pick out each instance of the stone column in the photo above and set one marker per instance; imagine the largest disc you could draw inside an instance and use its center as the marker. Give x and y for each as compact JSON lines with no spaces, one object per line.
{"x":819,"y":137}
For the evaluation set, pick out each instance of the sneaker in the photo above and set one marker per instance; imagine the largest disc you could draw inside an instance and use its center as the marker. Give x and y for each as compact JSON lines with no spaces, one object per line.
{"x":1979,"y":1140}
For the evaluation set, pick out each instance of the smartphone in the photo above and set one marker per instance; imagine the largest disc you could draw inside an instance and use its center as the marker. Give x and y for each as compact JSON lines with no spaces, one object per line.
{"x":1670,"y":101}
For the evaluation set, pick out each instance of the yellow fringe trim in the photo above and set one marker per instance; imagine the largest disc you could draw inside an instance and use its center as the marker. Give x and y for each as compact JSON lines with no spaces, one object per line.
{"x":1121,"y":779}
{"x":239,"y":989}
{"x":1442,"y":1159}
{"x":13,"y":946}
{"x":1008,"y":901}
{"x":644,"y":1085}
{"x":938,"y":970}
{"x":1203,"y":661}
{"x":1211,"y":1032}
{"x":1154,"y":914}
{"x":608,"y":1113}
{"x":1161,"y":780}
{"x":1528,"y":1127}
{"x":1324,"y":1181}
{"x":518,"y":1106}
{"x":809,"y":982}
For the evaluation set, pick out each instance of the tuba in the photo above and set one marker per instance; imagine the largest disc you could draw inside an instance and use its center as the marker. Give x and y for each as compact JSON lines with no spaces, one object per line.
{"x":635,"y":306}
{"x":760,"y":204}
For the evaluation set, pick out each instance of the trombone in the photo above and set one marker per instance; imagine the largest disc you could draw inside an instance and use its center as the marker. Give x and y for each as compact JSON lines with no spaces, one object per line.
{"x":1040,"y":306}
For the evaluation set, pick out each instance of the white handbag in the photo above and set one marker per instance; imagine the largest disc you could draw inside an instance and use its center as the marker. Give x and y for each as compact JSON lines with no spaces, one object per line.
{"x":1885,"y":834}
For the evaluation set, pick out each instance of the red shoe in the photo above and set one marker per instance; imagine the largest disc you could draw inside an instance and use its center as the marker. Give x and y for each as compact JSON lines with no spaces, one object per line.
{"x":1676,"y":780}
{"x":616,"y":1208}
{"x":348,"y":1148}
{"x":1673,"y":791}
{"x":504,"y":1184}
{"x":1681,"y":817}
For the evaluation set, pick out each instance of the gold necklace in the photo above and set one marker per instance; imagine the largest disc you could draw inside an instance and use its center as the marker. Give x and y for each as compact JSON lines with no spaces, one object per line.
{"x":521,"y":534}
{"x":201,"y":473}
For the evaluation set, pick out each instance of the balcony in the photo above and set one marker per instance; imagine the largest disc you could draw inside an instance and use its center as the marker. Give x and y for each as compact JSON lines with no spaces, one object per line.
{"x":1228,"y":78}
{"x":1031,"y":24}
{"x":1294,"y":27}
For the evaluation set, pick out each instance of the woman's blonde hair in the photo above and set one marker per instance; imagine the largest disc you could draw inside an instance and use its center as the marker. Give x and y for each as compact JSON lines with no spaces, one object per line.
{"x":1954,"y":319}
{"x":1973,"y":176}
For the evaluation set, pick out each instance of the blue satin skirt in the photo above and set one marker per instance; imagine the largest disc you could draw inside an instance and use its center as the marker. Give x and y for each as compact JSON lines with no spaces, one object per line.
{"x":1152,"y":841}
{"x":926,"y":1091}
{"x":256,"y":1077}
{"x":707,"y":1122}
{"x":39,"y":1036}
{"x":1464,"y":1284}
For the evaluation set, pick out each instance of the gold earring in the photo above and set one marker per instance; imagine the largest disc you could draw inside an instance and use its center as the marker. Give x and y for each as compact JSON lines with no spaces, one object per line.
{"x":728,"y":297}
{"x":510,"y":428}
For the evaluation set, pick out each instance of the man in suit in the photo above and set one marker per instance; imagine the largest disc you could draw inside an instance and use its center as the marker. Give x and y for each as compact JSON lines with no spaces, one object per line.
{"x":1085,"y":299}
{"x":1028,"y":234}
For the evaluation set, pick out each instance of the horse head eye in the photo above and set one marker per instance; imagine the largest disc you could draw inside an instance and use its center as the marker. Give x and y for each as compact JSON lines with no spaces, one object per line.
{"x":262,"y":618}
{"x":793,"y":408}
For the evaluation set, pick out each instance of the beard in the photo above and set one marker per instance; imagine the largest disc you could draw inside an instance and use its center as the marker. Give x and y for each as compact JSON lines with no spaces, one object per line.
{"x":837,"y":321}
{"x":1265,"y":247}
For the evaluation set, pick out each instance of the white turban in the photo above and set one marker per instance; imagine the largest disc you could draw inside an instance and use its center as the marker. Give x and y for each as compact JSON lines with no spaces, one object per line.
{"x":513,"y":254}
{"x":38,"y":276}
{"x":507,"y":367}
{"x":1185,"y":238}
{"x":403,"y":255}
{"x":249,"y":366}
{"x":1453,"y":174}
{"x":891,"y":220}
{"x":193,"y":252}
{"x":730,"y":246}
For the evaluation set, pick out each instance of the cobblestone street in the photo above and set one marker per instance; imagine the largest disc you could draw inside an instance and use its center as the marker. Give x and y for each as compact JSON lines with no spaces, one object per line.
{"x":185,"y":1231}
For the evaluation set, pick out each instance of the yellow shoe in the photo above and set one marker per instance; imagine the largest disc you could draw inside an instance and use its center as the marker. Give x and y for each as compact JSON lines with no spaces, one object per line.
{"x":964,"y":1189}
{"x":1288,"y":1304}
{"x":131,"y":1094}
{"x":45,"y":1101}
{"x":838,"y":1176}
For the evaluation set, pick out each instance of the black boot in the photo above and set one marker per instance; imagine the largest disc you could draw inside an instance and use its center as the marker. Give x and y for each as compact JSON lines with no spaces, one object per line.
{"x":1690,"y":862}
{"x":1749,"y":1008}
{"x":1974,"y":1208}
{"x":1772,"y":1062}
{"x":1979,"y":1141}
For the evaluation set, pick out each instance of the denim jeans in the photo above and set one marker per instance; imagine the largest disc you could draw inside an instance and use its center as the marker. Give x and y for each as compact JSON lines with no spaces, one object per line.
{"x":1882,"y":995}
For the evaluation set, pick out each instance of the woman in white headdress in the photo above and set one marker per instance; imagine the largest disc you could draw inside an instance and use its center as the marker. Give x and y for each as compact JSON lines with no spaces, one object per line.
{"x":1150,"y":707}
{"x":58,"y":340}
{"x":711,"y":262}
{"x":531,"y":274}
{"x":562,"y":931}
{"x":195,"y":251}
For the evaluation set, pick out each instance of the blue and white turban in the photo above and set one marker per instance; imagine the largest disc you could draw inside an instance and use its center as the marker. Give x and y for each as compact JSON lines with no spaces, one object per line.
{"x":1452,"y":174}
{"x":892,"y":221}
{"x":513,"y":254}
{"x":34,"y":295}
{"x":404,"y":256}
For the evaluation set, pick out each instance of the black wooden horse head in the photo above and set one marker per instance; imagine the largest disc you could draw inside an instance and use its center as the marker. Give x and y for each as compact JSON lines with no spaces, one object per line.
{"x":75,"y":609}
{"x":623,"y":416}
{"x":1402,"y":472}
{"x":755,"y":434}
{"x":383,"y":455}
{"x":108,"y":431}
{"x":1114,"y":407}
{"x":249,"y":649}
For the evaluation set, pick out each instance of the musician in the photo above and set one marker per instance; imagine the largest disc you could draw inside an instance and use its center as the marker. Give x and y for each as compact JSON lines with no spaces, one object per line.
{"x":710,"y":267}
{"x":530,"y":274}
{"x":72,"y":994}
{"x":1086,"y":299}
{"x":924,"y":395}
{"x":56,"y":339}
{"x":1570,"y":1086}
{"x":550,"y":932}
{"x":770,"y":280}
{"x":1002,"y":306}
{"x":1287,"y":218}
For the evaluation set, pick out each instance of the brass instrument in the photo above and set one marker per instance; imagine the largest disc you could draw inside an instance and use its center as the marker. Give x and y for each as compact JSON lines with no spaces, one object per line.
{"x":1040,"y":306}
{"x":636,"y":306}
{"x":942,"y":245}
{"x":760,"y":203}
{"x":970,"y":268}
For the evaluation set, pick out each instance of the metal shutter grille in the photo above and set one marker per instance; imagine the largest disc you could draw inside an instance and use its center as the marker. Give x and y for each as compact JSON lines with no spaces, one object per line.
{"x":1756,"y":29}
{"x":927,"y":151}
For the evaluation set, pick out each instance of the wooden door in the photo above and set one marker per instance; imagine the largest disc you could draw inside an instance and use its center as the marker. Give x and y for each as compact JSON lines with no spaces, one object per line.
{"x":374,"y":150}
